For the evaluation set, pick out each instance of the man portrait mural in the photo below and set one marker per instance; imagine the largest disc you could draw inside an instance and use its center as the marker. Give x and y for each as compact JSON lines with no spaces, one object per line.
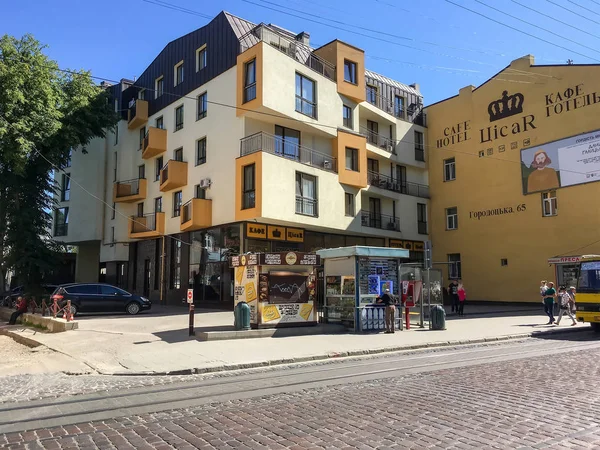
{"x":538,"y":171}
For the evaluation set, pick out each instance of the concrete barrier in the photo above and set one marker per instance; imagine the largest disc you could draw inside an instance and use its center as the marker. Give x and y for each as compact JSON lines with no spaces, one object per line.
{"x":46,"y":323}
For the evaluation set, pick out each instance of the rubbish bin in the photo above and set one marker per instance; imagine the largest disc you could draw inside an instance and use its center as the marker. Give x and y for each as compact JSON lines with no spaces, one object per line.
{"x":438,"y":318}
{"x":241,"y":315}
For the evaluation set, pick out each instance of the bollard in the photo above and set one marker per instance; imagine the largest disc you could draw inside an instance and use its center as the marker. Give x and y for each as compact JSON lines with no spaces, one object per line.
{"x":407,"y":313}
{"x":55,"y":308}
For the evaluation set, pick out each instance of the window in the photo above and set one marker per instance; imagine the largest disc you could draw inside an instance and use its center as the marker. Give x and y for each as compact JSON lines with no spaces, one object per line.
{"x":399,"y":106}
{"x":69,"y":159}
{"x":115,"y":167}
{"x":549,"y":204}
{"x":419,"y":146}
{"x":352,"y":159}
{"x":504,"y":262}
{"x":140,"y":209}
{"x":371,"y":94}
{"x":158,"y":168}
{"x":89,"y":289}
{"x":422,"y":218}
{"x":350,"y":71}
{"x":250,"y":80}
{"x":248,"y":183}
{"x":202,"y":103}
{"x":159,"y":85}
{"x":61,"y":222}
{"x":451,"y":218}
{"x":454,"y":268}
{"x":305,"y":96}
{"x":449,"y":169}
{"x":116,"y":134}
{"x":160,"y":123}
{"x":112,"y":235}
{"x":142,"y":171}
{"x":200,"y":151}
{"x":175,"y":264}
{"x":287,"y":142}
{"x":179,"y":74}
{"x":177,"y":201}
{"x":200,"y":192}
{"x":113,"y":211}
{"x":158,"y":204}
{"x":142,"y":136}
{"x":178,"y":154}
{"x":349,"y":201}
{"x":111,"y":290}
{"x":306,"y":194}
{"x":179,"y":118}
{"x":65,"y":190}
{"x":142,"y":94}
{"x":201,"y":58}
{"x":347,"y":114}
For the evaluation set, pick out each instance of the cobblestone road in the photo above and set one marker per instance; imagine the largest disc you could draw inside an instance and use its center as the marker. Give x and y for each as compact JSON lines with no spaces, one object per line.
{"x":541,"y":402}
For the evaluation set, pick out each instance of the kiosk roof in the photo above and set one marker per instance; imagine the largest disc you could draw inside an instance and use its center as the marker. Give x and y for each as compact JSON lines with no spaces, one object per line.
{"x":359,"y":250}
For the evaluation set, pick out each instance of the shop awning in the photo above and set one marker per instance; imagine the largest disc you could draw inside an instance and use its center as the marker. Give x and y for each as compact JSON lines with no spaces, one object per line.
{"x":359,"y":250}
{"x":568,"y":259}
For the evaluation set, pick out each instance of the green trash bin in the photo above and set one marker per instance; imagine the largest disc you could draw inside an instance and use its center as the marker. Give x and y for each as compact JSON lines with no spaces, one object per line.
{"x":438,"y":318}
{"x":241,"y":315}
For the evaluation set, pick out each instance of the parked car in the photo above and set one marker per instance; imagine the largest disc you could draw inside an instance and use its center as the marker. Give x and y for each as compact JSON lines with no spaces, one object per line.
{"x":10,"y":300}
{"x":99,"y":297}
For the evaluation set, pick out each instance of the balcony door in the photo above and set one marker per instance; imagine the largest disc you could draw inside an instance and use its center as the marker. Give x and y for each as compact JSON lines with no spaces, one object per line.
{"x":374,"y":212}
{"x":401,"y":179}
{"x":372,"y":131}
{"x":287,"y":142}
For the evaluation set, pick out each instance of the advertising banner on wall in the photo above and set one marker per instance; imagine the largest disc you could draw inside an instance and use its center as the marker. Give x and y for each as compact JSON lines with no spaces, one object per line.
{"x":288,"y":313}
{"x":245,"y":288}
{"x":566,"y":162}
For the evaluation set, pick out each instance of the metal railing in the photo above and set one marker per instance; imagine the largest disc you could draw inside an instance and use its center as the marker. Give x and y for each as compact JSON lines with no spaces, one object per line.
{"x":307,"y":206}
{"x":294,"y":49}
{"x":385,"y":143}
{"x":381,"y":221}
{"x":142,"y":224}
{"x":414,"y":115}
{"x":278,"y":146}
{"x":403,"y":187}
{"x":128,"y":187}
{"x":186,"y":213}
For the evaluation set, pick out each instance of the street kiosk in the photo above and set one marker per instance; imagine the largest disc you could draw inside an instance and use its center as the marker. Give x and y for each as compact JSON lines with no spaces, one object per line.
{"x":279,"y":288}
{"x":354,"y":277}
{"x":566,"y":269}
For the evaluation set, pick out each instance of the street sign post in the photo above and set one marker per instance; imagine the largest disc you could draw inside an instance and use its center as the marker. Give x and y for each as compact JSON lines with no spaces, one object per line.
{"x":190,"y":300}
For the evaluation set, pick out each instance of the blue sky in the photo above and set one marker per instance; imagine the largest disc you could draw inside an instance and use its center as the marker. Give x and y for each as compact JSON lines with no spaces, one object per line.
{"x":446,"y":47}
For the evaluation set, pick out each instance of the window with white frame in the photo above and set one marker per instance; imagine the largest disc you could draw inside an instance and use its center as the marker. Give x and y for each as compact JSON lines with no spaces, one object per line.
{"x":449,"y":169}
{"x":549,"y":204}
{"x":201,"y":58}
{"x":306,"y":194}
{"x":452,"y":218}
{"x":178,"y":73}
{"x":454,"y":266}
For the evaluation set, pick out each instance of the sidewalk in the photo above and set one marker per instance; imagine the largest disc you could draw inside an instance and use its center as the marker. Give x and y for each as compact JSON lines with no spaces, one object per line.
{"x":158,"y":343}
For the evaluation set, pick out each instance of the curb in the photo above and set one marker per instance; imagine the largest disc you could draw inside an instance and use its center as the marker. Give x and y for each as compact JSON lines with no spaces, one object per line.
{"x":304,"y":359}
{"x":32,"y":343}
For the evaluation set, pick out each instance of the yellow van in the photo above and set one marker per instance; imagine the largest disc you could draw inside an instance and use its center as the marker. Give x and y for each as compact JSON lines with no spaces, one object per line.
{"x":588,"y":291}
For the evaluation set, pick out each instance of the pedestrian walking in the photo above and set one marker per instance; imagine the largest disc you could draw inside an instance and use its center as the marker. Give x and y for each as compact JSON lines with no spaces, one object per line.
{"x":549,"y":296}
{"x":21,"y":309}
{"x":462,"y":296}
{"x":565,"y":306}
{"x":543,"y":289}
{"x":453,"y":290}
{"x":390,"y":311}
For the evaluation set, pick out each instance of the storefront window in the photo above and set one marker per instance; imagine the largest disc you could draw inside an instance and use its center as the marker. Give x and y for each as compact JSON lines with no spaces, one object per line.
{"x":376,"y":242}
{"x":334,"y":241}
{"x":313,"y":241}
{"x":354,"y":240}
{"x":286,"y":246}
{"x":256,"y":246}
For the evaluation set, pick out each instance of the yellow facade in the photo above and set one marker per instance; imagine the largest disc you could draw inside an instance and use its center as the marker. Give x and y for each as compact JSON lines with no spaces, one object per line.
{"x":495,"y":133}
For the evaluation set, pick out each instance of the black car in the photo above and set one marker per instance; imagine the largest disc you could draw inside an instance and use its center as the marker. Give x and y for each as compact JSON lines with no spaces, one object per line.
{"x":98,"y":297}
{"x":10,"y":300}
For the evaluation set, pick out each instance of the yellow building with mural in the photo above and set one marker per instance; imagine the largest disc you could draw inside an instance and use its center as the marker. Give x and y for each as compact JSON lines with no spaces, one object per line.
{"x":512,"y":171}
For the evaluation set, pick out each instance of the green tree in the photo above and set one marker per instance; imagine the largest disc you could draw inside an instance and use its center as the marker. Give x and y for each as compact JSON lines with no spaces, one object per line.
{"x":44,"y":112}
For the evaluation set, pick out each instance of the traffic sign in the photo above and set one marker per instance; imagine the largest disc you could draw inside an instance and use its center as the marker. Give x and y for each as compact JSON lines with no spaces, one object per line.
{"x":190,"y":296}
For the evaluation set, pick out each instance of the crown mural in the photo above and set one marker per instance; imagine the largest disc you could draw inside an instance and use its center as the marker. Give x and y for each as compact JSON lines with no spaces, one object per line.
{"x":507,"y":106}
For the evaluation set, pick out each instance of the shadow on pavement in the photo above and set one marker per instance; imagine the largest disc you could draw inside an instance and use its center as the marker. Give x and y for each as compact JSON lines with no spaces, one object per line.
{"x":581,"y":332}
{"x":156,"y":311}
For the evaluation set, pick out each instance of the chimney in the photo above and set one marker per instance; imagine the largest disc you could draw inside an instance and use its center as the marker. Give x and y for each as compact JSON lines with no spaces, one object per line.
{"x":303,"y":37}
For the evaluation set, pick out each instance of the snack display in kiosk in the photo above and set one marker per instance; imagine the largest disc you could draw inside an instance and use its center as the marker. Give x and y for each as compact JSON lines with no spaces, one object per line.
{"x":279,"y":288}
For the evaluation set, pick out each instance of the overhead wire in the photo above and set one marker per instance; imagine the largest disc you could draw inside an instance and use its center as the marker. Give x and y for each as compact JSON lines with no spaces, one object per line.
{"x":573,"y":12}
{"x":583,"y":7}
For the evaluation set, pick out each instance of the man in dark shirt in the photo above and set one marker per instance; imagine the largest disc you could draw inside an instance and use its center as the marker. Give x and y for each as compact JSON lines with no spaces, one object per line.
{"x":390,"y":310}
{"x":453,"y":291}
{"x":549,"y":296}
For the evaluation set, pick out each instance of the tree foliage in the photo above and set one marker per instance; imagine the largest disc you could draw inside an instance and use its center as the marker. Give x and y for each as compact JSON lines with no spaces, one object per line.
{"x":44,"y":112}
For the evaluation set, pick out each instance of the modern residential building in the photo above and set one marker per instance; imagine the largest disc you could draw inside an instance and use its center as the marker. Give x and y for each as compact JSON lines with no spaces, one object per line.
{"x":513,"y":166}
{"x":240,"y":138}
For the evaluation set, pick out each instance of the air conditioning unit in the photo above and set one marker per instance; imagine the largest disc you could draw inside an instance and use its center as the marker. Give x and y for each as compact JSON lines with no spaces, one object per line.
{"x":327,"y":165}
{"x":205,"y":183}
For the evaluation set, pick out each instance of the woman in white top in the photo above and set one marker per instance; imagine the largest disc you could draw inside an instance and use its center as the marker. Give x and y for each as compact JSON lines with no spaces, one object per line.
{"x":565,"y":306}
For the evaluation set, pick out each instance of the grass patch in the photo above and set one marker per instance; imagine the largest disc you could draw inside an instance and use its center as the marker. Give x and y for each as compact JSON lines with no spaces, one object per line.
{"x":37,"y":326}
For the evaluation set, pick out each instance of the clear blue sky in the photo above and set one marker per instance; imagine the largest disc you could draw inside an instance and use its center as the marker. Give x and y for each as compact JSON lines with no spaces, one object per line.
{"x":118,"y":39}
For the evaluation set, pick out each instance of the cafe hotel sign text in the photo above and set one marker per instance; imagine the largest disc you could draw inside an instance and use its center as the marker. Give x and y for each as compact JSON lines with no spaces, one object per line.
{"x":508,"y":105}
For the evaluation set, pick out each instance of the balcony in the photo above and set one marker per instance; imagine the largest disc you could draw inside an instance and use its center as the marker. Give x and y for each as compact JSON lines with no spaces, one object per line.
{"x":147,"y":226}
{"x":137,"y":115}
{"x":196,"y":214}
{"x":413,"y":113}
{"x":307,"y":206}
{"x":291,"y":47}
{"x":265,"y":142}
{"x":130,"y":191}
{"x":155,"y":143}
{"x":380,"y":221}
{"x":173,"y":175}
{"x":376,"y":139}
{"x":402,"y":187}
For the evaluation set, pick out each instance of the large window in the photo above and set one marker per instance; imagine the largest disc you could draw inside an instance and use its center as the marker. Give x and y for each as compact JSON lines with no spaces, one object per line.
{"x":422,"y":218}
{"x":306,"y":194}
{"x":200,"y":151}
{"x":158,"y":204}
{"x":399,"y":106}
{"x":178,"y":154}
{"x":250,"y":80}
{"x":199,"y":192}
{"x":202,"y":106}
{"x":142,"y":171}
{"x":249,"y":187}
{"x":179,"y":73}
{"x":305,"y":96}
{"x":61,"y":222}
{"x":347,"y":114}
{"x":179,"y":118}
{"x":372,"y":94}
{"x":451,"y":218}
{"x":449,"y":169}
{"x":65,"y":187}
{"x":549,"y":204}
{"x":175,"y":278}
{"x":349,"y":201}
{"x":158,"y":168}
{"x":454,"y":266}
{"x":419,"y":146}
{"x":352,"y":159}
{"x":159,"y":86}
{"x":201,"y":58}
{"x":177,"y":202}
{"x":350,"y":71}
{"x":287,"y":142}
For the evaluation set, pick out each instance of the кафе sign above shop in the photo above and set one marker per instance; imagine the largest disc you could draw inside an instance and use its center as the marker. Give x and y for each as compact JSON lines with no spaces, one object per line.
{"x":274,"y":232}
